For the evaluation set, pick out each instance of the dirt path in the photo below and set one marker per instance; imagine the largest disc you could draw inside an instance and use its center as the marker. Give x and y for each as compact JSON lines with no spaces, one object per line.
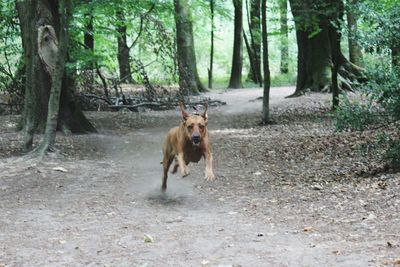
{"x":97,"y":210}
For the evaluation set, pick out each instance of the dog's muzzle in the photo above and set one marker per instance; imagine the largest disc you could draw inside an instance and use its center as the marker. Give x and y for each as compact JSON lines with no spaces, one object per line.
{"x":196,"y":139}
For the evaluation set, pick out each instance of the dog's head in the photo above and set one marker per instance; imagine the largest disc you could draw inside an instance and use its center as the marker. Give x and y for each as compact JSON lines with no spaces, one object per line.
{"x":195,"y":126}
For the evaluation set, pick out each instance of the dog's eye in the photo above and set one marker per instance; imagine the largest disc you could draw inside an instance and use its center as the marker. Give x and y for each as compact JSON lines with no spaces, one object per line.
{"x":190,"y":127}
{"x":202,"y":127}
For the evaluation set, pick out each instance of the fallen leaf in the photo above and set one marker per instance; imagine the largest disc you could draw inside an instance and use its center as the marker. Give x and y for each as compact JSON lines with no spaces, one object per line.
{"x":308,"y":229}
{"x":148,"y":239}
{"x":205,"y":262}
{"x":60,"y":169}
{"x":317,"y":187}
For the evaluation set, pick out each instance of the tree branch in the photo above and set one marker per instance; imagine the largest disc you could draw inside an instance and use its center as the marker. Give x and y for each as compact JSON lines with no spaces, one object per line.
{"x":142,"y":18}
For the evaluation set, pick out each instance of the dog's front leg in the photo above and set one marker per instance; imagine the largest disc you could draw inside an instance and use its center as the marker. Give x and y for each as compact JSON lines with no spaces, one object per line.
{"x":182,"y":165}
{"x":209,"y":169}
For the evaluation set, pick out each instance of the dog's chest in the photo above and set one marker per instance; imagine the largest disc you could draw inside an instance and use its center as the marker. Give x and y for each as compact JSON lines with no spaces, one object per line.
{"x":192,"y":154}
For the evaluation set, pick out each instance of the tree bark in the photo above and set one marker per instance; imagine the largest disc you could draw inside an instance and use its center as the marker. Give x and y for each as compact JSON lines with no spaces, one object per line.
{"x":395,"y":51}
{"x":210,"y":69}
{"x":32,"y":15}
{"x":355,"y":53}
{"x":88,"y":40}
{"x":267,"y":80}
{"x":314,"y":22}
{"x":255,"y":41}
{"x":283,"y":9}
{"x":125,"y":71}
{"x":56,"y":79}
{"x":189,"y":80}
{"x":236,"y":70}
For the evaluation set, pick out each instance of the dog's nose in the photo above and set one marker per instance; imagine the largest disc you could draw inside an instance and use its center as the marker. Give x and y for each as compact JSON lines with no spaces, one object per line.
{"x":196,"y":138}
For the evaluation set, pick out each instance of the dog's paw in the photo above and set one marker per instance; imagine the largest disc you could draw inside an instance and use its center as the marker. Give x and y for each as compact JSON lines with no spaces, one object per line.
{"x":185,"y":172}
{"x":210,"y":177}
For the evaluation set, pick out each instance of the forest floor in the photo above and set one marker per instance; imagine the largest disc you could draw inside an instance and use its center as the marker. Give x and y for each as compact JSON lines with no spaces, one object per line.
{"x":295,"y":193}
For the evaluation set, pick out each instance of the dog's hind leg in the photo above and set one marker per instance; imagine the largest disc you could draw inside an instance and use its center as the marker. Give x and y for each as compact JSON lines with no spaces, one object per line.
{"x":166,"y":163}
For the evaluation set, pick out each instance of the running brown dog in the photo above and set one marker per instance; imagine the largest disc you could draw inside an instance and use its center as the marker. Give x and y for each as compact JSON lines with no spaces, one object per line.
{"x":188,"y":143}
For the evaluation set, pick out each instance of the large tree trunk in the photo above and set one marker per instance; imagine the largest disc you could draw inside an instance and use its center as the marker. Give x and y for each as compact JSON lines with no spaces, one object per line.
{"x":283,"y":9}
{"x":189,"y":80}
{"x":355,"y":53}
{"x":236,"y":70}
{"x":315,"y":40}
{"x":32,"y":15}
{"x":61,"y":47}
{"x":255,"y":41}
{"x":267,"y":80}
{"x":125,"y":72}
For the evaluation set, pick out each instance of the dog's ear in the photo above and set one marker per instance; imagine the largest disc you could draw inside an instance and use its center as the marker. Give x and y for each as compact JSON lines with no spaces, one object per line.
{"x":185,"y":115}
{"x":205,"y":115}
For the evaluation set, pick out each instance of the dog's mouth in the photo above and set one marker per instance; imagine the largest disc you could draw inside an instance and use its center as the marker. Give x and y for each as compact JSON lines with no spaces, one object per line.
{"x":196,"y":141}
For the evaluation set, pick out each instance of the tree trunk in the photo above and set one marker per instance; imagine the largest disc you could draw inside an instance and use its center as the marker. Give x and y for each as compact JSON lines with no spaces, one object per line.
{"x":32,"y":15}
{"x":88,"y":39}
{"x":395,"y":51}
{"x":335,"y":35}
{"x":267,"y":81}
{"x":253,"y":68}
{"x":315,"y":40}
{"x":255,"y":41}
{"x":189,"y":80}
{"x":283,"y":9}
{"x":56,"y":78}
{"x":355,"y":54}
{"x":125,"y":72}
{"x":236,"y":70}
{"x":210,"y":69}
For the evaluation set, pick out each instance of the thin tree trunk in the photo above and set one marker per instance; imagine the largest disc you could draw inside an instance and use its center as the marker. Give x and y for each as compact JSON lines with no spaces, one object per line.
{"x":255,"y":41}
{"x":125,"y":71}
{"x":253,"y":67}
{"x":284,"y":67}
{"x":88,"y":40}
{"x":57,"y":79}
{"x":395,"y":51}
{"x":267,"y":80}
{"x":189,"y":80}
{"x":355,"y":53}
{"x":236,"y":70}
{"x":210,"y":69}
{"x":31,"y":110}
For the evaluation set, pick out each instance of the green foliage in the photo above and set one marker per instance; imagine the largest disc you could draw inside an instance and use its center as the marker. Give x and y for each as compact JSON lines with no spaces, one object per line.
{"x":11,"y":60}
{"x":377,"y":107}
{"x":380,"y":24}
{"x":355,"y":113}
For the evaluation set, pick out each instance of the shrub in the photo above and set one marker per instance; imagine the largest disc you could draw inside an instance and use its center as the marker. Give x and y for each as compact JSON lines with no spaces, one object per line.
{"x":377,"y":106}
